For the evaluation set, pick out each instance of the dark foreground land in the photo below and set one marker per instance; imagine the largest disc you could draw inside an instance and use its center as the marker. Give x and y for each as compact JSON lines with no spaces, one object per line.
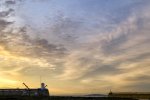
{"x":64,"y":98}
{"x":89,"y":98}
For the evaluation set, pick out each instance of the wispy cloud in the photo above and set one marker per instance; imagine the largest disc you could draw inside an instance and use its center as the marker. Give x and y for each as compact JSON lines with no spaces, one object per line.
{"x":86,"y":50}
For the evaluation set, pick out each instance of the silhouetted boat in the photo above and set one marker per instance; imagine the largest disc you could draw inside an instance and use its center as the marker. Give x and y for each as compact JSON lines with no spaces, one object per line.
{"x":43,"y":91}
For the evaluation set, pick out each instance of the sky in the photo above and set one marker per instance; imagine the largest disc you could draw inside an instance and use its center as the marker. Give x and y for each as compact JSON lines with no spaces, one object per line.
{"x":75,"y":46}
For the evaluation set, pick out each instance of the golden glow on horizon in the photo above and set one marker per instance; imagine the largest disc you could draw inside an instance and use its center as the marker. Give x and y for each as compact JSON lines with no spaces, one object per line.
{"x":7,"y":81}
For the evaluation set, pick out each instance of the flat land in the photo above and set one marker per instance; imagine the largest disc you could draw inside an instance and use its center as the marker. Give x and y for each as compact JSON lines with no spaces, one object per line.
{"x":63,"y":98}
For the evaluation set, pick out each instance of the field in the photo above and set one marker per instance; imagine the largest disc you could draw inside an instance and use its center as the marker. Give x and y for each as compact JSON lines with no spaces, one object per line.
{"x":63,"y":98}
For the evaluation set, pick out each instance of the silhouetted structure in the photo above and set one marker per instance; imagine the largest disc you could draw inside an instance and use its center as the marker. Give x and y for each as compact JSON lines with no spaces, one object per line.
{"x":25,"y":92}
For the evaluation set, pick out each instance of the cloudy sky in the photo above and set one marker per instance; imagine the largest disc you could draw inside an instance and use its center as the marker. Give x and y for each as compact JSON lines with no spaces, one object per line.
{"x":76,"y":46}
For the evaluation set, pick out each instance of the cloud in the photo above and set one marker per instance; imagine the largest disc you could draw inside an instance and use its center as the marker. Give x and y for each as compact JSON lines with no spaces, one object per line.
{"x":114,"y":55}
{"x":6,"y":13}
{"x":82,"y":51}
{"x":3,"y":24}
{"x":10,"y":2}
{"x":21,"y":55}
